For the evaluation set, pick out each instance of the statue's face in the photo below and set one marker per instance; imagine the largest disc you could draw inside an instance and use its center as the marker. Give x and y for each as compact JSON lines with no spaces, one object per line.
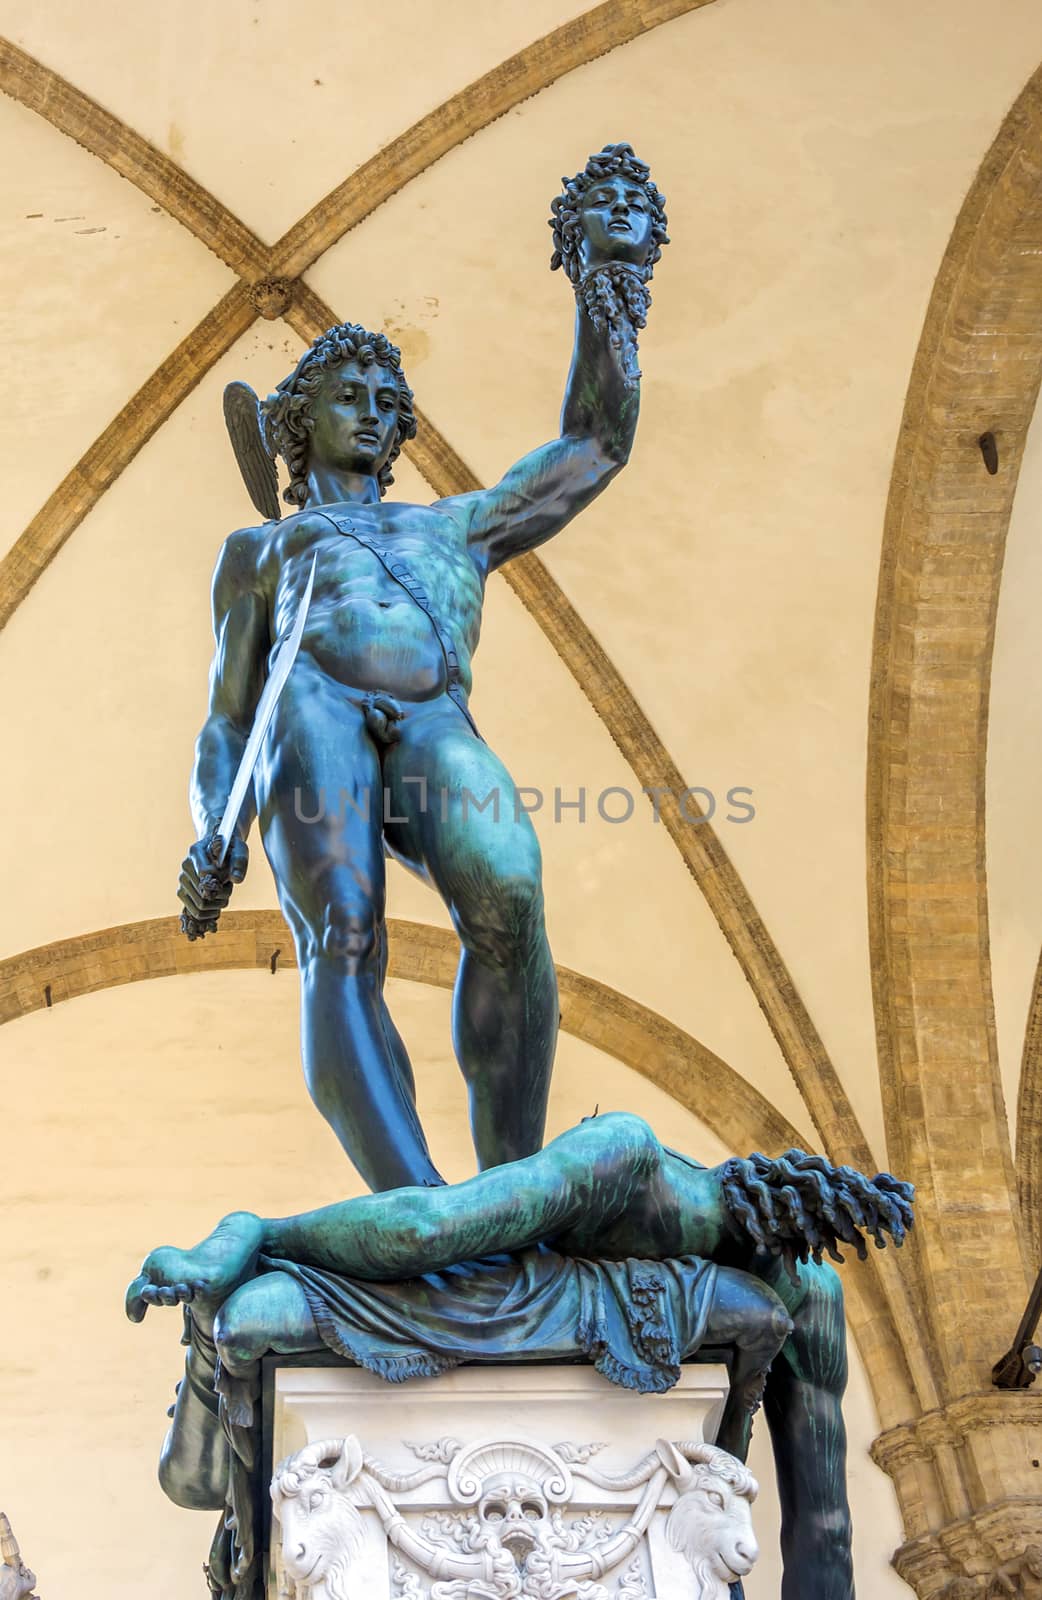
{"x":355,"y":418}
{"x":616,"y":222}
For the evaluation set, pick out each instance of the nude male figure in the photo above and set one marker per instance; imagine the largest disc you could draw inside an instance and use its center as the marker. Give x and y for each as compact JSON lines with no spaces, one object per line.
{"x":372,"y":746}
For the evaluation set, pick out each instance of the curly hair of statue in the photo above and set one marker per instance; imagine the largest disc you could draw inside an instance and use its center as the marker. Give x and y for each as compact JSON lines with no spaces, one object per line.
{"x":614,"y":160}
{"x":800,"y":1206}
{"x":288,"y":413}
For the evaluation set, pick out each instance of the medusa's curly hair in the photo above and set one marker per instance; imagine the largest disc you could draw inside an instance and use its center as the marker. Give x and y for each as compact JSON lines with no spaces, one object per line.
{"x":566,"y":208}
{"x":801,"y":1206}
{"x":288,"y":414}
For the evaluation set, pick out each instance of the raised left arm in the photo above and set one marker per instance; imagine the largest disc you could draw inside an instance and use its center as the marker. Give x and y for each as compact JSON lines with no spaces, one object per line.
{"x":547,"y":488}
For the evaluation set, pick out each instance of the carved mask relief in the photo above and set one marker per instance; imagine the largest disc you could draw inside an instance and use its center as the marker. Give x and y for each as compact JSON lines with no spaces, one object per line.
{"x":508,"y":1519}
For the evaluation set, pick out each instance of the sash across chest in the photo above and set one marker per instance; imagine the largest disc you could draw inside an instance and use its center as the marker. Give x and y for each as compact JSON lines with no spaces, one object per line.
{"x":400,"y":574}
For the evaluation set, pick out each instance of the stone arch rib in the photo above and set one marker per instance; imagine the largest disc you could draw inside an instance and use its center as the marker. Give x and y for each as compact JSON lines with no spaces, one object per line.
{"x":1029,"y":1124}
{"x":977,"y":369}
{"x":517,"y":78}
{"x":80,"y":118}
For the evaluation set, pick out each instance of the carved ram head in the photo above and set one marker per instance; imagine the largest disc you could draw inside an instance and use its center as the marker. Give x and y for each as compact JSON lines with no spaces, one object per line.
{"x":711,"y":1522}
{"x":322,"y":1530}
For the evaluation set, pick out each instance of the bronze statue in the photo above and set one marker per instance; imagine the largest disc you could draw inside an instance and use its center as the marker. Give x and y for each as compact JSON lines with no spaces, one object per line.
{"x":372,"y":747}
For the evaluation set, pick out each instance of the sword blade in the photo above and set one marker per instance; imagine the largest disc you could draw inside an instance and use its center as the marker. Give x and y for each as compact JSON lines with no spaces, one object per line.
{"x":269,"y":699}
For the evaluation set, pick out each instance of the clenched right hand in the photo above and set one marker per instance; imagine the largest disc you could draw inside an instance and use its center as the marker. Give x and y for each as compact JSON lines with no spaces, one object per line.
{"x":204,"y":888}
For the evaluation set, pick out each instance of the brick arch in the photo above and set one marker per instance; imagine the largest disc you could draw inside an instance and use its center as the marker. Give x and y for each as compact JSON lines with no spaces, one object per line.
{"x":977,"y":369}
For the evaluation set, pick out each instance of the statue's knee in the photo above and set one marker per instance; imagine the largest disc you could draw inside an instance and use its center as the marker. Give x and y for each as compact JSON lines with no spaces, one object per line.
{"x":750,"y":1315}
{"x":420,"y":1224}
{"x":627,"y":1137}
{"x":773,"y":1325}
{"x":189,"y":1486}
{"x":827,"y":1530}
{"x":345,"y":933}
{"x":350,"y":936}
{"x":505,"y":922}
{"x":238,"y":1343}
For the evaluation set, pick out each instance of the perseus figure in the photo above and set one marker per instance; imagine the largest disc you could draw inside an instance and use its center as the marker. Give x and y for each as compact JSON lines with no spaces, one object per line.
{"x":372,"y":748}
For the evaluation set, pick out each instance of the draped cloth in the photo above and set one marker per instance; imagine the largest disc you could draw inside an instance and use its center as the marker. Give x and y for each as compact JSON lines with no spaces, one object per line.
{"x":636,"y":1321}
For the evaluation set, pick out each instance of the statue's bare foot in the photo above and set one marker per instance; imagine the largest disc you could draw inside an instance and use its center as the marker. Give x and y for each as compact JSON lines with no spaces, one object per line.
{"x":202,"y":1278}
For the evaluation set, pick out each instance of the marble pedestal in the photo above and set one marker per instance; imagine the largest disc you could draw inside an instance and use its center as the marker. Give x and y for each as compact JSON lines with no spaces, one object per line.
{"x":551,"y":1463}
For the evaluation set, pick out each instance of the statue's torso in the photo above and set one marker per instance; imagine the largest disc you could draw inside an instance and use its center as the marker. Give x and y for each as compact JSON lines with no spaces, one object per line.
{"x":364,"y":629}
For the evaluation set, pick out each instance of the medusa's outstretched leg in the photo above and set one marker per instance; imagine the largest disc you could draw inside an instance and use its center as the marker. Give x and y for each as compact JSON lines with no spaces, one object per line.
{"x":590,"y":1176}
{"x":803,"y":1405}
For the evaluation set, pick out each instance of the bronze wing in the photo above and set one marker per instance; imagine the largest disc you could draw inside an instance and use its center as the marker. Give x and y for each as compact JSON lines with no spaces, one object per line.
{"x":249,"y":438}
